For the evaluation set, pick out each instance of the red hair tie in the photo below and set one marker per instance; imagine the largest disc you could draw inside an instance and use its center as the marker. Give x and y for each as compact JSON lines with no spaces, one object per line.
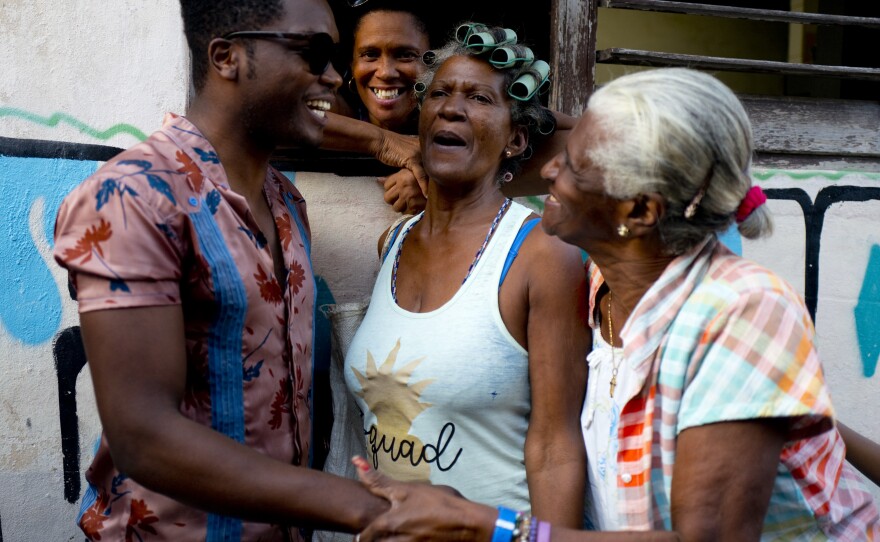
{"x":755,"y":197}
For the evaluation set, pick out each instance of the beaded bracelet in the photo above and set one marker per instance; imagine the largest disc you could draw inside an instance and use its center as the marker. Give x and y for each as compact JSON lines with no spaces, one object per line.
{"x":523,"y":527}
{"x":504,"y":525}
{"x":533,"y":532}
{"x":513,"y":526}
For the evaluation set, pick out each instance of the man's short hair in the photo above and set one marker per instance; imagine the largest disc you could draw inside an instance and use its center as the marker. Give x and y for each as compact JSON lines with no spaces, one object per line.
{"x":204,"y":20}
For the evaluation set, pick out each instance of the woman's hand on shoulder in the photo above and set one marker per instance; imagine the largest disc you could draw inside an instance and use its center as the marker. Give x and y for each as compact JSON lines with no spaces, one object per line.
{"x":403,"y":192}
{"x":403,"y":151}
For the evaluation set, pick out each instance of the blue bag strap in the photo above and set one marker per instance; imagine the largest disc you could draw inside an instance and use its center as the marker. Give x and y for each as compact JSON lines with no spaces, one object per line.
{"x":393,"y":233}
{"x":514,"y":248}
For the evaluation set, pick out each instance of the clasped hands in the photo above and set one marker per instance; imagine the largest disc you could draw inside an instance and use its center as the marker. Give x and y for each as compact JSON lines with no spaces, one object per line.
{"x":422,"y":511}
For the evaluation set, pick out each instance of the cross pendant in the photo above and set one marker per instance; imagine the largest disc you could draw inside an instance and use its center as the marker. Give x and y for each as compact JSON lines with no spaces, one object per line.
{"x":613,"y":385}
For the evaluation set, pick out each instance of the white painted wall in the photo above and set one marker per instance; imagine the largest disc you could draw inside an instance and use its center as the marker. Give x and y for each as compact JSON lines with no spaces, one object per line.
{"x":97,"y":72}
{"x":102,"y":63}
{"x":88,"y":72}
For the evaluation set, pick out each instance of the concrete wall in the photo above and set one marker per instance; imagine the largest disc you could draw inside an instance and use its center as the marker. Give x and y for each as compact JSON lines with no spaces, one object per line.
{"x":97,"y":73}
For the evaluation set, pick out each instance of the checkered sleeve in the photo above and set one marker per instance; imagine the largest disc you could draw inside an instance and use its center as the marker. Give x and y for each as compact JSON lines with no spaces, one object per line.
{"x":755,"y":358}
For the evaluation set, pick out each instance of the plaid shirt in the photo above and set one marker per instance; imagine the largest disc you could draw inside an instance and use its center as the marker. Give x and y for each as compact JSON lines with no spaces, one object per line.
{"x":719,"y":338}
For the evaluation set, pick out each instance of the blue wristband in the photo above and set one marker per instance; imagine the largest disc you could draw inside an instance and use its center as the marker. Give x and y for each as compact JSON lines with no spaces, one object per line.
{"x":504,"y":525}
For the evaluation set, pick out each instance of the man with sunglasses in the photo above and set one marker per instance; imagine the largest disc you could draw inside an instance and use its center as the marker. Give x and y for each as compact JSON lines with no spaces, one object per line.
{"x":189,"y":255}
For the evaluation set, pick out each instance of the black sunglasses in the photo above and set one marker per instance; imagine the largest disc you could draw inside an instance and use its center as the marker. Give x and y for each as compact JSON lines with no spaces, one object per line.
{"x":318,"y":49}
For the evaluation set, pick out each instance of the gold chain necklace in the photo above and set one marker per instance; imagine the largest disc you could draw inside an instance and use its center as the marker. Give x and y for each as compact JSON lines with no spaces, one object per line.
{"x":615,"y":365}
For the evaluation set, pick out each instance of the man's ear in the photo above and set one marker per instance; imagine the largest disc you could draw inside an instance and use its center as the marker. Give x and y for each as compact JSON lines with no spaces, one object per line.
{"x":644,"y":212}
{"x":224,"y":58}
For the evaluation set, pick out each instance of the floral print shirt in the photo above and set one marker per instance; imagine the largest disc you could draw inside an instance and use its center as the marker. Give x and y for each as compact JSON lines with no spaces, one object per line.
{"x":158,"y":225}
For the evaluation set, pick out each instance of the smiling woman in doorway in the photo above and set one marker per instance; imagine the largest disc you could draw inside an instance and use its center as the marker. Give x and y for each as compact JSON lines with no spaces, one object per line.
{"x":389,"y":39}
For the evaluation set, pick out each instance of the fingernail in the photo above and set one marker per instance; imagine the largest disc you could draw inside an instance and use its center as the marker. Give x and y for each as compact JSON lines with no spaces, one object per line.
{"x":362,"y":465}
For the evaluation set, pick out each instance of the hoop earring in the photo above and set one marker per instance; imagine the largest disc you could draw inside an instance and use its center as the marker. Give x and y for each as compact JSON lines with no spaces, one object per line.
{"x":507,"y":177}
{"x":351,"y":86}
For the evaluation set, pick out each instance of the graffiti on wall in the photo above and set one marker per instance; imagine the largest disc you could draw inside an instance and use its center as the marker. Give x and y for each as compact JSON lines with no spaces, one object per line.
{"x":867,"y":311}
{"x":44,"y":171}
{"x":38,"y":174}
{"x":867,"y":314}
{"x":58,"y":118}
{"x":70,"y":358}
{"x":34,"y":178}
{"x":33,"y":171}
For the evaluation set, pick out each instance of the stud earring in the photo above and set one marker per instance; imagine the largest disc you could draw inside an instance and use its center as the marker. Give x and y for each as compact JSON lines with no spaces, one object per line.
{"x":507,"y":153}
{"x":623,"y":231}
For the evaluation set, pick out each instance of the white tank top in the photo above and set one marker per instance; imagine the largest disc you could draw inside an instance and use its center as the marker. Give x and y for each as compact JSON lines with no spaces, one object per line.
{"x":445,"y":394}
{"x":600,"y":423}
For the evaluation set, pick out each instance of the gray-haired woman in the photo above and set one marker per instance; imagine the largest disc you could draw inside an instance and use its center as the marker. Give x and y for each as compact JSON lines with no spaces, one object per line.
{"x":707,"y":416}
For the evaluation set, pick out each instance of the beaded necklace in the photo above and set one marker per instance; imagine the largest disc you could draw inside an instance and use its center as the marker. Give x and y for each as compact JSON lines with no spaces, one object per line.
{"x":504,"y":207}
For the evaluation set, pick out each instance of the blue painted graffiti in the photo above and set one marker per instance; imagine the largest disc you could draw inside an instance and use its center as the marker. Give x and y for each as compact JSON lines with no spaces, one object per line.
{"x":867,"y":315}
{"x":30,"y":303}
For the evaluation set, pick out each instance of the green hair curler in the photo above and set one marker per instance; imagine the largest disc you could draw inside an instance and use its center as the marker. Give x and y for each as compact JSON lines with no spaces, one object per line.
{"x":463,"y":32}
{"x":483,"y":42}
{"x":534,"y":80}
{"x":511,"y":56}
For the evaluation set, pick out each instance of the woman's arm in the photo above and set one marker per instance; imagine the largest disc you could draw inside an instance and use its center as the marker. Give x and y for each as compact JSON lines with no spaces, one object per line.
{"x":723,"y":477}
{"x":861,"y":452}
{"x":558,"y":339}
{"x":425,"y":512}
{"x":404,"y":190}
{"x":352,"y":135}
{"x":721,"y":488}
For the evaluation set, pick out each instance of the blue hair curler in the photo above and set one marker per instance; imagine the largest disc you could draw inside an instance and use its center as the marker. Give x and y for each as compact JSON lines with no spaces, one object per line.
{"x":536,"y":79}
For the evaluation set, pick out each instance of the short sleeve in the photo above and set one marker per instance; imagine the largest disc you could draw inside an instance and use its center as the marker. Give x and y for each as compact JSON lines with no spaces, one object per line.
{"x":758,"y":361}
{"x":120,"y":240}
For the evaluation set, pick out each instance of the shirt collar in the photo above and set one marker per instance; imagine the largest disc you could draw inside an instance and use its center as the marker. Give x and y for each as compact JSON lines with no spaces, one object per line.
{"x":191,"y":141}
